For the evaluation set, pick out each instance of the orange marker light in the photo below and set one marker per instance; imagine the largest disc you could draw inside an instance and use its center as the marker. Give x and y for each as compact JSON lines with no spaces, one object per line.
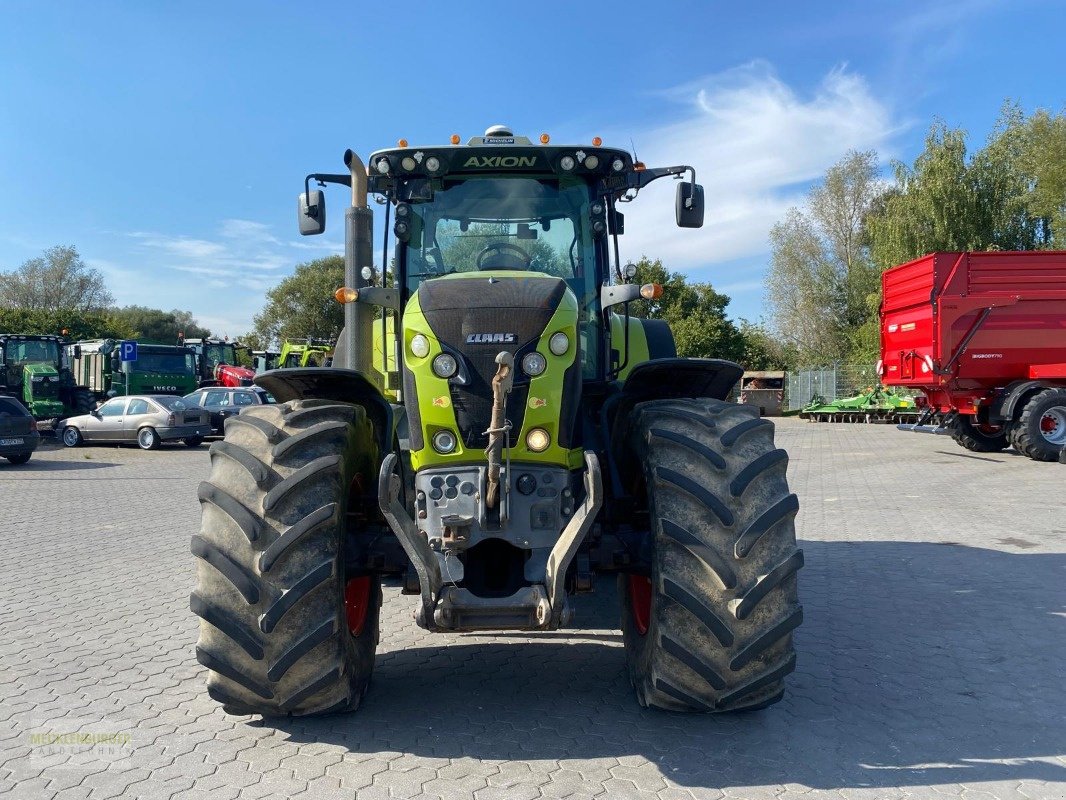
{"x":455,"y":138}
{"x":596,"y":141}
{"x":651,"y":291}
{"x":402,"y":143}
{"x":545,"y":138}
{"x":345,"y":295}
{"x":638,"y":166}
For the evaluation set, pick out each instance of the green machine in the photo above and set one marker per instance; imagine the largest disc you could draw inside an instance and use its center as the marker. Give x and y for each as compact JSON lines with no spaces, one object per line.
{"x":877,"y":404}
{"x":159,"y":369}
{"x":34,"y":371}
{"x":497,"y":432}
{"x":308,"y":353}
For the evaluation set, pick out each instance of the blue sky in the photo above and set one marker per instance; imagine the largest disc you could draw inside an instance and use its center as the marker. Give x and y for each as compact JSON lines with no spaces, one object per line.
{"x":168,"y":142}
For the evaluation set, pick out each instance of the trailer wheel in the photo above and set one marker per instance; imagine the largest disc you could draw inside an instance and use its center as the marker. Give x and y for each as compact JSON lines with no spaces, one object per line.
{"x":1040,"y":430}
{"x":284,"y":629}
{"x":979,"y":438}
{"x":710,"y":629}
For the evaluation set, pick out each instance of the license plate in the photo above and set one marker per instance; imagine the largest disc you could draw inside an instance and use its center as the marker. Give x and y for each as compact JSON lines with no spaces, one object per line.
{"x":11,"y":441}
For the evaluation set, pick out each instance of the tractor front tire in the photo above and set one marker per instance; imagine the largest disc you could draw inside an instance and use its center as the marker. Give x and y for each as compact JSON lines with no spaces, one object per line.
{"x":1040,"y":430}
{"x":976,"y":438}
{"x":284,"y":630}
{"x":83,"y":401}
{"x":710,"y":629}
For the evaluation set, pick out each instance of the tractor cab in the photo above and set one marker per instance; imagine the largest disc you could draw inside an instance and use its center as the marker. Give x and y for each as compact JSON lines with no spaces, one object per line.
{"x":217,"y":363}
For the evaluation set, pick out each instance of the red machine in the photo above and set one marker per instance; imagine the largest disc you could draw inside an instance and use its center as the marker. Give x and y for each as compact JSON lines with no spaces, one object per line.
{"x":216,"y":362}
{"x":983,"y":335}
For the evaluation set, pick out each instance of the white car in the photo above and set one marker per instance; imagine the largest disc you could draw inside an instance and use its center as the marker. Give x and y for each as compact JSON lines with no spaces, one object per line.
{"x":147,"y":419}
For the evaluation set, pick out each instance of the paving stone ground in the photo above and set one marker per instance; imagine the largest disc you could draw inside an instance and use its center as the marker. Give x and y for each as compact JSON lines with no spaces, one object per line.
{"x":931,"y":661}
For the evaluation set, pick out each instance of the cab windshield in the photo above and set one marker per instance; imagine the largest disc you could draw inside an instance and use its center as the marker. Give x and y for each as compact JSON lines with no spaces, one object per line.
{"x":31,"y":352}
{"x":215,"y":354}
{"x":165,"y":362}
{"x":521,"y":223}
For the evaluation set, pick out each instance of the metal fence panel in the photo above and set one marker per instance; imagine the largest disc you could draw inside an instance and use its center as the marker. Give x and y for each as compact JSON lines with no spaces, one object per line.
{"x":829,"y":383}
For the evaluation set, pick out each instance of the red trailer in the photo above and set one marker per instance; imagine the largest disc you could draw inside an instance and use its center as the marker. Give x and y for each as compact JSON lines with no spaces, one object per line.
{"x":983,"y":335}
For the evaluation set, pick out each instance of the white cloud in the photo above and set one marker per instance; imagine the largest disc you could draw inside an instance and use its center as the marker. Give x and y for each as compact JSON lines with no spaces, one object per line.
{"x":756,"y":144}
{"x":222,"y":280}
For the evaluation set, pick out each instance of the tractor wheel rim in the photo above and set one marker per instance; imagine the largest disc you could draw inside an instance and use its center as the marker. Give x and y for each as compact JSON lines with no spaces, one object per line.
{"x":640,"y":602}
{"x":1053,"y":425}
{"x":357,"y":603}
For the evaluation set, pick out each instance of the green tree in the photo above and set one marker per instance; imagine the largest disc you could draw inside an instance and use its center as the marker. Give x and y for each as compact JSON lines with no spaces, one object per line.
{"x":160,"y":326}
{"x":821,"y":274}
{"x":763,"y":350}
{"x":54,"y":281}
{"x":949,"y":201}
{"x":694,"y":311}
{"x":1044,"y":158}
{"x":76,"y":324}
{"x":302,"y":305}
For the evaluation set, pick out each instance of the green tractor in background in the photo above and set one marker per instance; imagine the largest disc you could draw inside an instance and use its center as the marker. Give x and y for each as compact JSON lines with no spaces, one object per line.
{"x":33,"y":369}
{"x":308,"y":353}
{"x":497,"y":431}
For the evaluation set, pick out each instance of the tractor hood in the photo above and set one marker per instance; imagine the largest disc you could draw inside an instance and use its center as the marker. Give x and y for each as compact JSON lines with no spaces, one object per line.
{"x":473,"y":317}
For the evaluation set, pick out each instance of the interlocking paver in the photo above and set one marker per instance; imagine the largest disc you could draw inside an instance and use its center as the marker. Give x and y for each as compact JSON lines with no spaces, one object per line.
{"x":930,"y":661}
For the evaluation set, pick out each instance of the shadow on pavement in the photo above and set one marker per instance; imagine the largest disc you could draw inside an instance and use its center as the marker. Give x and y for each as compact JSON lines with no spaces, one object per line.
{"x":919,"y":664}
{"x":40,"y":465}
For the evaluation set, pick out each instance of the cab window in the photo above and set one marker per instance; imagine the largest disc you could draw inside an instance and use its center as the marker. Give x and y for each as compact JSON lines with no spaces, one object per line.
{"x":217,"y":399}
{"x":243,"y":399}
{"x":138,"y":407}
{"x":113,"y":408}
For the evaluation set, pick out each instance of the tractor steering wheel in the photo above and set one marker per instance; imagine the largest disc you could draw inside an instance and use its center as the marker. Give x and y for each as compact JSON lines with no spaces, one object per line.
{"x":522,"y":257}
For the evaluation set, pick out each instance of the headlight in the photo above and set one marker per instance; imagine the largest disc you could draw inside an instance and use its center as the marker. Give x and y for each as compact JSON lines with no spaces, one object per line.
{"x":537,"y":440}
{"x":408,"y":163}
{"x":444,"y":442}
{"x":432,"y":164}
{"x":419,"y":346}
{"x":444,"y":365}
{"x":559,"y":343}
{"x":534,"y":364}
{"x":382,"y":165}
{"x":592,"y":162}
{"x":567,"y":163}
{"x":618,"y":165}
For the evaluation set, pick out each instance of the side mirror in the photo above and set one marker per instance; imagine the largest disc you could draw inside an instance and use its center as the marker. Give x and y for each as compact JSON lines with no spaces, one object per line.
{"x":616,"y":221}
{"x":689,"y":205}
{"x":77,"y":352}
{"x":311,"y":212}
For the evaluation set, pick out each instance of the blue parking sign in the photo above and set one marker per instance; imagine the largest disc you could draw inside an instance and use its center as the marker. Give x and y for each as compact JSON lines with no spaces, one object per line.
{"x":128,"y":351}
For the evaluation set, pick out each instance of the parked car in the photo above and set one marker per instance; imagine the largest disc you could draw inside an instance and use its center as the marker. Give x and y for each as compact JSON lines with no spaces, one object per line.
{"x":222,"y":402}
{"x":147,"y":419}
{"x":18,"y":431}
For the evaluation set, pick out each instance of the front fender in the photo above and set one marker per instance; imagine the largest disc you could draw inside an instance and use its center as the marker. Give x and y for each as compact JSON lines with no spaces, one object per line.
{"x":329,"y":383}
{"x":659,"y":379}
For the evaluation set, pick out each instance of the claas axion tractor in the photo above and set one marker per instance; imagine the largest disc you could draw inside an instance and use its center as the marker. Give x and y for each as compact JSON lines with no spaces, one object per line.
{"x":496,"y":431}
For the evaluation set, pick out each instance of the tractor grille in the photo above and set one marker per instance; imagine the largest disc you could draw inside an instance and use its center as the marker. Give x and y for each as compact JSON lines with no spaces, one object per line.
{"x":456,"y":308}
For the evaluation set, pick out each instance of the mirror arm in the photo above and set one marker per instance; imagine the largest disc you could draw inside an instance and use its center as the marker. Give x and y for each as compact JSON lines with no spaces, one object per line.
{"x":638,"y":180}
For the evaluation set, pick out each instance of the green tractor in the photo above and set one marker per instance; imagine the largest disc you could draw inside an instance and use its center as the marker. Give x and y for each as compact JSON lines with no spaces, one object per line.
{"x":497,"y":432}
{"x":32,"y":368}
{"x":308,"y":353}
